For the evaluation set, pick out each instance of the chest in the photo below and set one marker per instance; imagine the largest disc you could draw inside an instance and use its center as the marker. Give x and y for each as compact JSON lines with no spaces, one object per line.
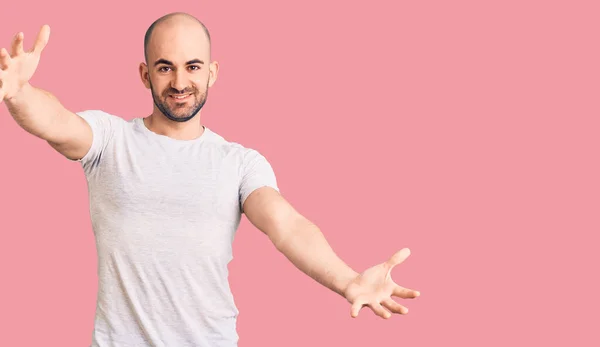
{"x":189,"y":185}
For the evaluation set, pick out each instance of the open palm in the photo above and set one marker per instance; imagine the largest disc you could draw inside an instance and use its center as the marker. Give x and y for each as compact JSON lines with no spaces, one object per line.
{"x":374,"y":288}
{"x":18,"y":66}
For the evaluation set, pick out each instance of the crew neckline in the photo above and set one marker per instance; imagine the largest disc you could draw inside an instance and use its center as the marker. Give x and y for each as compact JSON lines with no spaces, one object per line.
{"x":140,"y":122}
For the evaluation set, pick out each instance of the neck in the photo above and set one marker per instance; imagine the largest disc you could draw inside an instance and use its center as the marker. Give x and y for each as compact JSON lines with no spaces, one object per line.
{"x":159,"y":124}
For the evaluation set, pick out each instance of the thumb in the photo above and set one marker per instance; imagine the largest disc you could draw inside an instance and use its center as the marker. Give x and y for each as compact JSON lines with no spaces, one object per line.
{"x":356,"y":307}
{"x":398,"y":257}
{"x":42,"y":39}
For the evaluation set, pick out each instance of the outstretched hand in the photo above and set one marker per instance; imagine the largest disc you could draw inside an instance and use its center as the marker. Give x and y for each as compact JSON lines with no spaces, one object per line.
{"x":374,"y":288}
{"x":17,"y":68}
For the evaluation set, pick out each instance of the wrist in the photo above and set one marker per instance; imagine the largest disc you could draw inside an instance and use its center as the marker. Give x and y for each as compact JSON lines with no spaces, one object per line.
{"x":344,"y":282}
{"x":24,"y":88}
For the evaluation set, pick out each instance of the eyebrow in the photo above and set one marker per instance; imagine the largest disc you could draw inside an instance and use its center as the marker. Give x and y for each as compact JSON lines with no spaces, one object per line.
{"x":166,"y":62}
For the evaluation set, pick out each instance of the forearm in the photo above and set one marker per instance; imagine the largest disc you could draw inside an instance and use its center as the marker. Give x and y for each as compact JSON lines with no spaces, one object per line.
{"x":38,"y":112}
{"x":307,"y":248}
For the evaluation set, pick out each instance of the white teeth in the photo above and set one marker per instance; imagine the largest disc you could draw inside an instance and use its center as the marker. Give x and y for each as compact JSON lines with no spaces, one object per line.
{"x":179,"y":97}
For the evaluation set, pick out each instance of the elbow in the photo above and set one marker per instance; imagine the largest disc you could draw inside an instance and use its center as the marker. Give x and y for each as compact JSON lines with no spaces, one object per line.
{"x":300,"y":232}
{"x":280,"y":240}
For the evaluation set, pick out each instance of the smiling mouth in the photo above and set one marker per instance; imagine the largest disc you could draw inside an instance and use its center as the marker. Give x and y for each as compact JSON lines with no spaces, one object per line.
{"x":179,"y":97}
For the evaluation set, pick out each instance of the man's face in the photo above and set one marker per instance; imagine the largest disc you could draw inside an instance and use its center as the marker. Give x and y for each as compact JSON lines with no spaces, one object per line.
{"x":178,"y":102}
{"x":179,"y":71}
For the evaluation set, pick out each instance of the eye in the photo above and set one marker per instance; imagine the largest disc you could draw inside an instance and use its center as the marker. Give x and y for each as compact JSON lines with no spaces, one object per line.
{"x":195,"y":67}
{"x":163,"y":69}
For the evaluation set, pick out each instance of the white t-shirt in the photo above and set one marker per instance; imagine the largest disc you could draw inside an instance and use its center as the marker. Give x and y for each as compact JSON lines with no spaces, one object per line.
{"x":164,"y":213}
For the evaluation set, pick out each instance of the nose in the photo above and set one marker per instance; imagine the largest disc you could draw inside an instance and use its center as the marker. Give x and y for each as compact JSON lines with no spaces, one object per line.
{"x":179,"y":81}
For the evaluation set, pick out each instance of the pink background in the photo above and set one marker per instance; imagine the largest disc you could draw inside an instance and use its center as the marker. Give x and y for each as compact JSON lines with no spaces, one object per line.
{"x":464,"y":130}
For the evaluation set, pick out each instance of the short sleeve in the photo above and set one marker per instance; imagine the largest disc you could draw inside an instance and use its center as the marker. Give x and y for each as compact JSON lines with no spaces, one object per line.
{"x":257,"y":172}
{"x":102,"y":125}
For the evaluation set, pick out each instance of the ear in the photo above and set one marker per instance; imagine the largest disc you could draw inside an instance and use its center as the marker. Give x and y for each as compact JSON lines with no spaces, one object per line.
{"x":213,"y":71}
{"x":144,"y":75}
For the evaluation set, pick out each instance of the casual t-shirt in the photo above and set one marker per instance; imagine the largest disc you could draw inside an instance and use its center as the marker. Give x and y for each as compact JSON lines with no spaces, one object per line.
{"x":164,"y":213}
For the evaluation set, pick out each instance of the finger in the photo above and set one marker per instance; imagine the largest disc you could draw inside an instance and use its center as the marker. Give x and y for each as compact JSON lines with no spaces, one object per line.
{"x":4,"y":59}
{"x":356,"y":307}
{"x":398,"y":257}
{"x":394,"y":307}
{"x":42,"y":39}
{"x":379,"y":310}
{"x":17,"y":45}
{"x":405,"y":293}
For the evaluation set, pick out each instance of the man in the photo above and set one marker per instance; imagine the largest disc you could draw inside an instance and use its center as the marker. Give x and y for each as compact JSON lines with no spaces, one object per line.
{"x":166,"y":196}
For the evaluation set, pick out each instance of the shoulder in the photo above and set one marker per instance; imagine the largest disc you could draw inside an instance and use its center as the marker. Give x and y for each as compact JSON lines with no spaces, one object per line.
{"x":233,"y":149}
{"x":98,"y":114}
{"x":99,"y":119}
{"x":252,"y":167}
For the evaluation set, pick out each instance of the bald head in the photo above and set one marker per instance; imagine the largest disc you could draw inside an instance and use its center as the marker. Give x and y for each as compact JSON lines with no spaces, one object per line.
{"x":177,"y":21}
{"x":178,"y":68}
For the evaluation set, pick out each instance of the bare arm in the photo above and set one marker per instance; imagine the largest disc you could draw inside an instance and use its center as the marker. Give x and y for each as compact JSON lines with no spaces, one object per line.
{"x":298,"y":239}
{"x":37,"y":111}
{"x":305,"y":246}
